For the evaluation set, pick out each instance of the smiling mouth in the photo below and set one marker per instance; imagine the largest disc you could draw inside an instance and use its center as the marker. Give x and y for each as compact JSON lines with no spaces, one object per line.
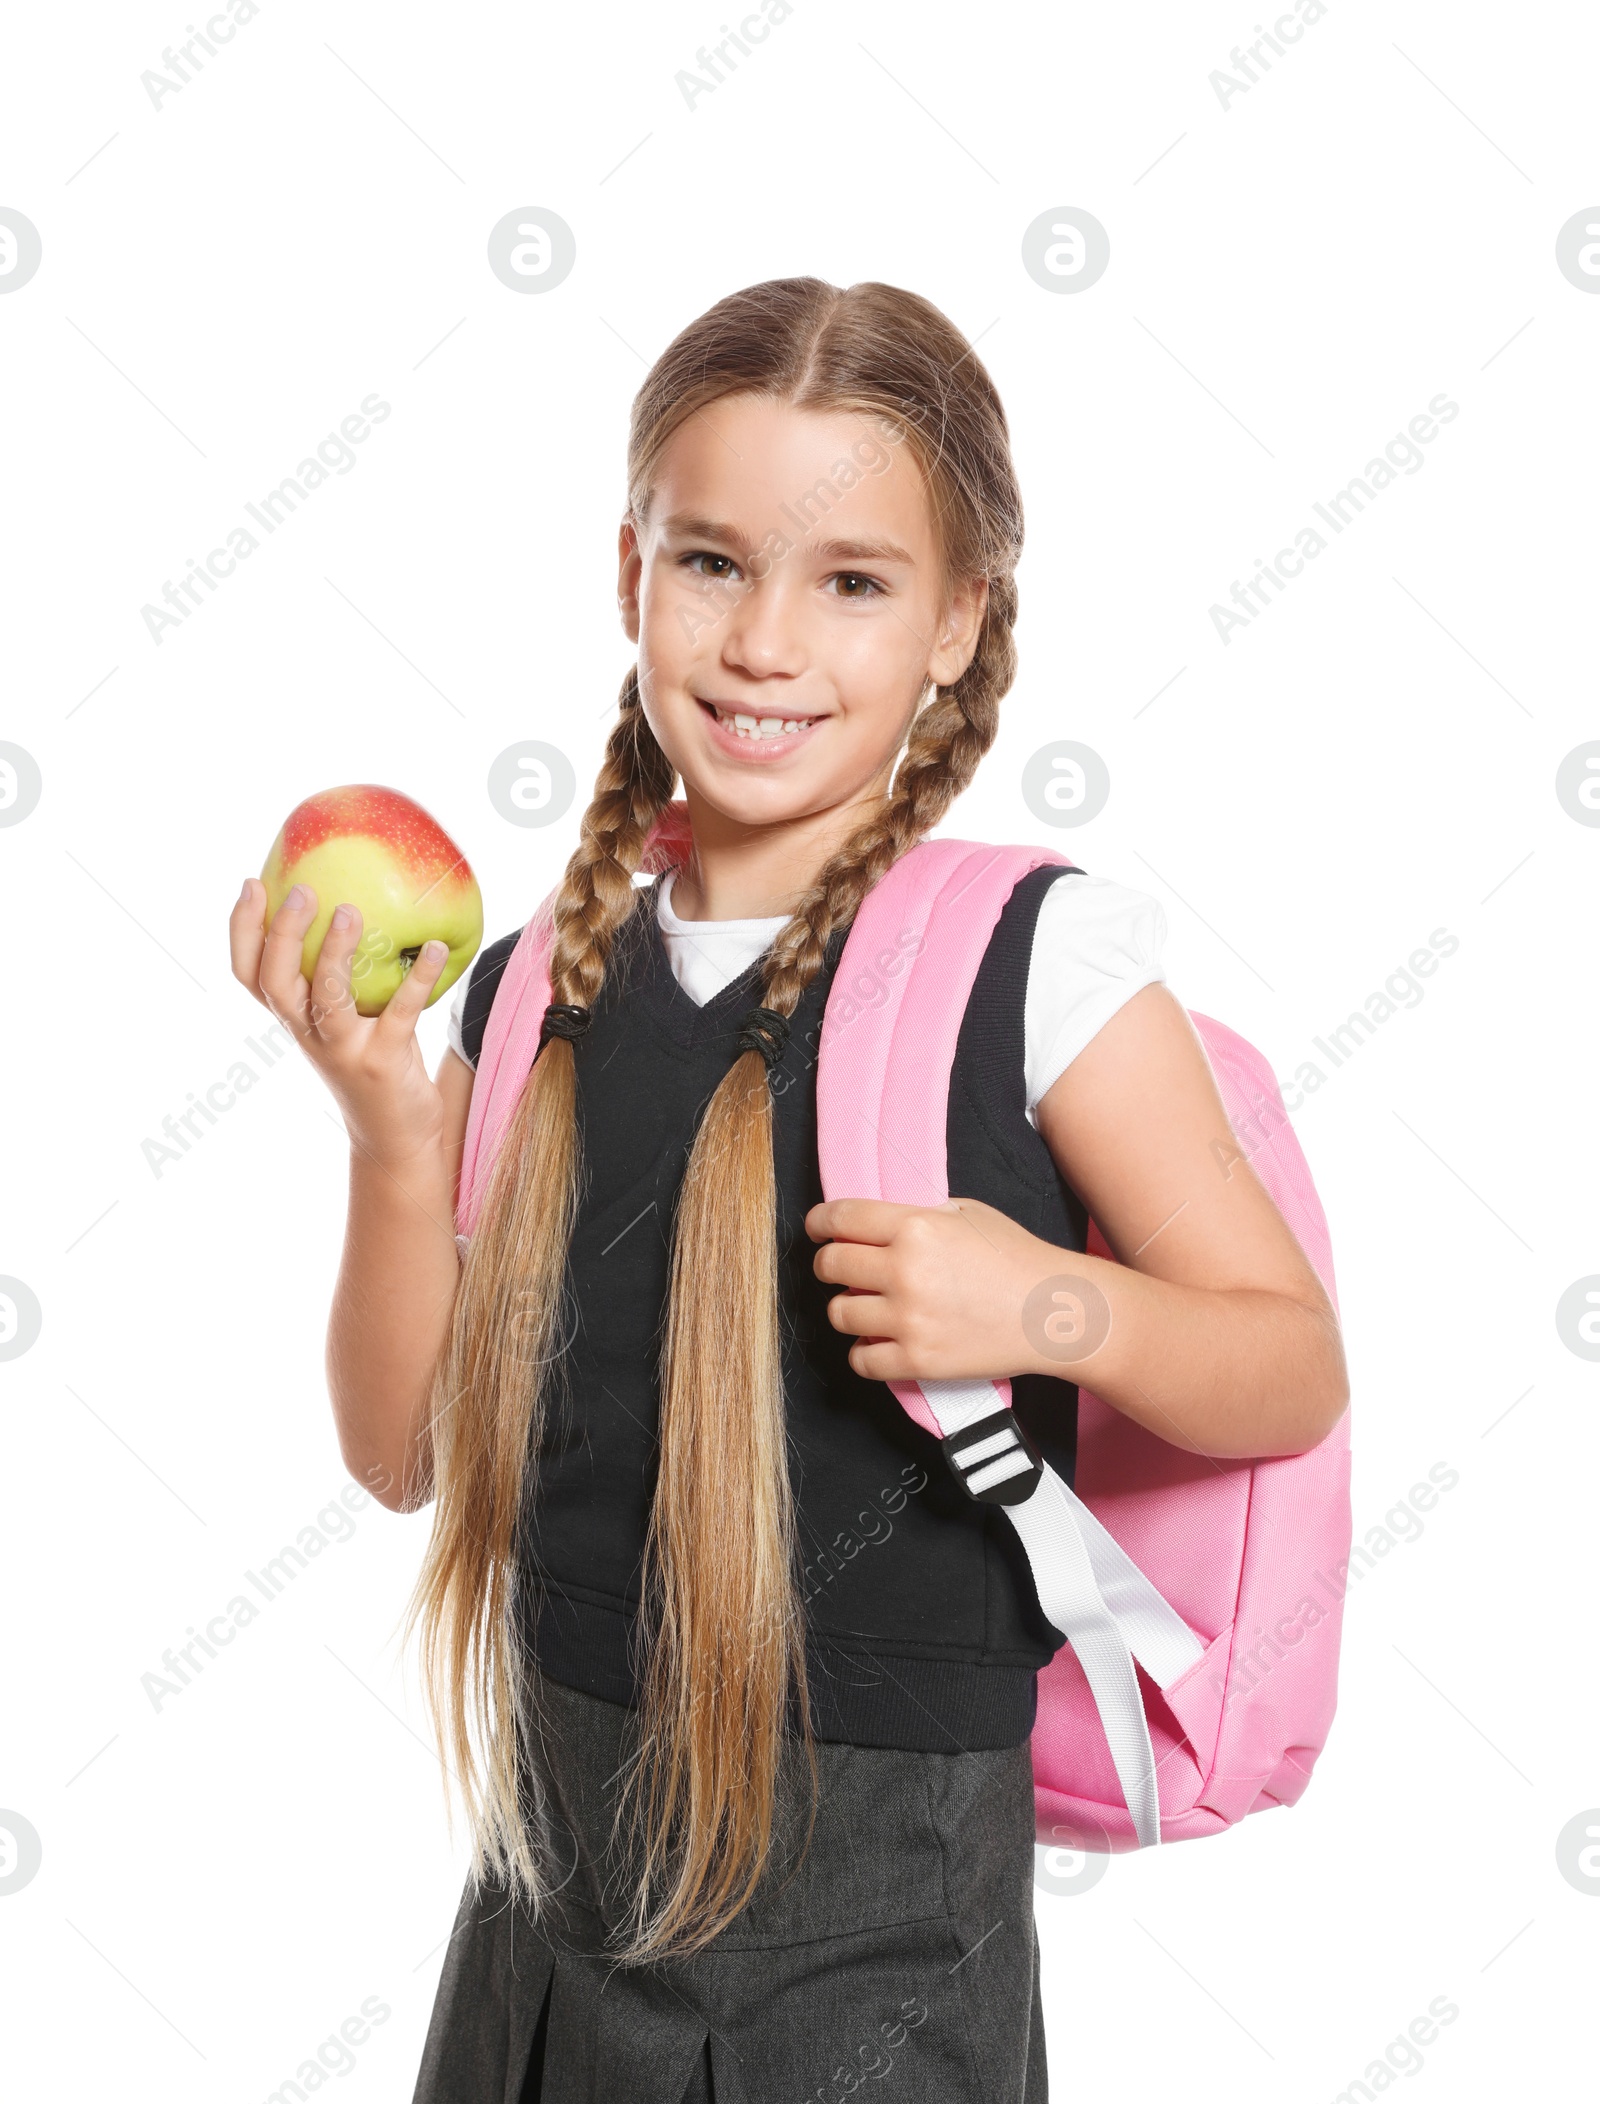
{"x":746,"y":725}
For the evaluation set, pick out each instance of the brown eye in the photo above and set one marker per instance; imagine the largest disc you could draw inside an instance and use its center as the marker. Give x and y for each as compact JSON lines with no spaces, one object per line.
{"x":854,"y":577}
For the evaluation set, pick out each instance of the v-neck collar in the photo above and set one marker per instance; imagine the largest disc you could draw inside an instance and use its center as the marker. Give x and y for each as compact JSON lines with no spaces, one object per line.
{"x":689,"y":1020}
{"x":691,"y":1023}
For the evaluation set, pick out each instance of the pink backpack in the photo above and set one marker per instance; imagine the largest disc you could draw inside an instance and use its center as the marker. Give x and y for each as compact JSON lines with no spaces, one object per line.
{"x":1200,"y":1599}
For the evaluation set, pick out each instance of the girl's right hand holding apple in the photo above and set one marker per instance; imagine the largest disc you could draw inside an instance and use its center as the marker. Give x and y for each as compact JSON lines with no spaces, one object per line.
{"x":393,"y":1111}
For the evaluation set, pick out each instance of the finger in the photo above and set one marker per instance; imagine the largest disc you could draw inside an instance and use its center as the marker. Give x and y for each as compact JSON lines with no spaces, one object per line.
{"x":246,"y":934}
{"x":398,"y":1018}
{"x":863,"y":1265}
{"x":855,"y":1219}
{"x":880,"y":1359}
{"x":331,"y":1008}
{"x":282,"y":979}
{"x":862,"y":1314}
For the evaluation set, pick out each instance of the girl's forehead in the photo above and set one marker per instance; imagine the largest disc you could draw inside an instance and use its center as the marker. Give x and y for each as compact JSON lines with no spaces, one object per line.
{"x":746,"y":464}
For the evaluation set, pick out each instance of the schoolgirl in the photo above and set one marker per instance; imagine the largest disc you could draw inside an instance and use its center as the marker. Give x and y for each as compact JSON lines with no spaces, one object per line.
{"x":736,"y":1681}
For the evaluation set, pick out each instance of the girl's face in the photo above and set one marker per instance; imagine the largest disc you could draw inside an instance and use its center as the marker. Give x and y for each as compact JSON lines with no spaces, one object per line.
{"x":786,"y":597}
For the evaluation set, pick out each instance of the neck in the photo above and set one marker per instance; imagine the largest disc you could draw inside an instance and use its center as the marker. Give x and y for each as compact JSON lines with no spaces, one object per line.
{"x":747,"y":872}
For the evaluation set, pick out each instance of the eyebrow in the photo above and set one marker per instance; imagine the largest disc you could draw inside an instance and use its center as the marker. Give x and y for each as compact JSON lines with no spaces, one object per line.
{"x":690,"y":526}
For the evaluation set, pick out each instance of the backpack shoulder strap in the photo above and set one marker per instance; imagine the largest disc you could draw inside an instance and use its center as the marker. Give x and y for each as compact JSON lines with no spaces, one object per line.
{"x":506,"y":1052}
{"x":894,"y":1013}
{"x":888,"y":1043}
{"x":483,"y":982}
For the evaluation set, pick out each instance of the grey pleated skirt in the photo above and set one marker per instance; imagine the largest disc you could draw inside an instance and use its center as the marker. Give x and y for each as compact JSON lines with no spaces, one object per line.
{"x":905,"y":1942}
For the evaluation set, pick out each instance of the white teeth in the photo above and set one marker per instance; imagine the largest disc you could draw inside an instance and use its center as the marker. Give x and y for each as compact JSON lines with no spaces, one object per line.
{"x":764,"y":726}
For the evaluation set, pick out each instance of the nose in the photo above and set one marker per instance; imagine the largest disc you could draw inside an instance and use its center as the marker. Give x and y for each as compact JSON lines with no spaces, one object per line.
{"x":763,"y":635}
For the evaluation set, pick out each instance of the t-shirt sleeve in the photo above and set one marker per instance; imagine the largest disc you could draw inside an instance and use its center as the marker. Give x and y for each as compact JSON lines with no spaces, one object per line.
{"x":1095,"y":944}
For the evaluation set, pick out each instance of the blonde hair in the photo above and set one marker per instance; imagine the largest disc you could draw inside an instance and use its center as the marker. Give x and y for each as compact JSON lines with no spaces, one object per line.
{"x":720,"y":1597}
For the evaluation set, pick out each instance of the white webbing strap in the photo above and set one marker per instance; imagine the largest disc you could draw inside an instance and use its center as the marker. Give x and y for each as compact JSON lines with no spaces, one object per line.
{"x":1157,"y":1635}
{"x":1103,"y":1604}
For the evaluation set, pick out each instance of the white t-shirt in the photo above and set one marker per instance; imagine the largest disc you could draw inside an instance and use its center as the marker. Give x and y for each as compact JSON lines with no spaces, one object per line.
{"x":1095,"y":944}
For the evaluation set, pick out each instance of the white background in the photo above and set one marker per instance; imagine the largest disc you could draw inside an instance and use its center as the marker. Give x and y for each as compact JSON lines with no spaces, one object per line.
{"x":1292,"y":278}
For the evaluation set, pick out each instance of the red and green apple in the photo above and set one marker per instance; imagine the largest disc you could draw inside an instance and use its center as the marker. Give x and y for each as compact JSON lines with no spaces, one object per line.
{"x":380,"y":851}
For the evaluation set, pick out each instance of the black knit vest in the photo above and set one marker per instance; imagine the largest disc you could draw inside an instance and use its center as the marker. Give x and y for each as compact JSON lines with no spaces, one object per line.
{"x":923,"y":1626}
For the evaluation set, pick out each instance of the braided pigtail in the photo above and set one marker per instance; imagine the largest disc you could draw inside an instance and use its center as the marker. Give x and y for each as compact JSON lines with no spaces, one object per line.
{"x":489,"y":1399}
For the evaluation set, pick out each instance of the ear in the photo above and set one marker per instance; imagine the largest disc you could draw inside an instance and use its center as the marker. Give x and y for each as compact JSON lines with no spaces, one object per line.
{"x":629,"y":566}
{"x":958,"y":636}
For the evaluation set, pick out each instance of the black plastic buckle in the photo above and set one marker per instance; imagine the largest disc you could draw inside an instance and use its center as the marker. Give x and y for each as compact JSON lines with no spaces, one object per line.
{"x":1013,"y":1489}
